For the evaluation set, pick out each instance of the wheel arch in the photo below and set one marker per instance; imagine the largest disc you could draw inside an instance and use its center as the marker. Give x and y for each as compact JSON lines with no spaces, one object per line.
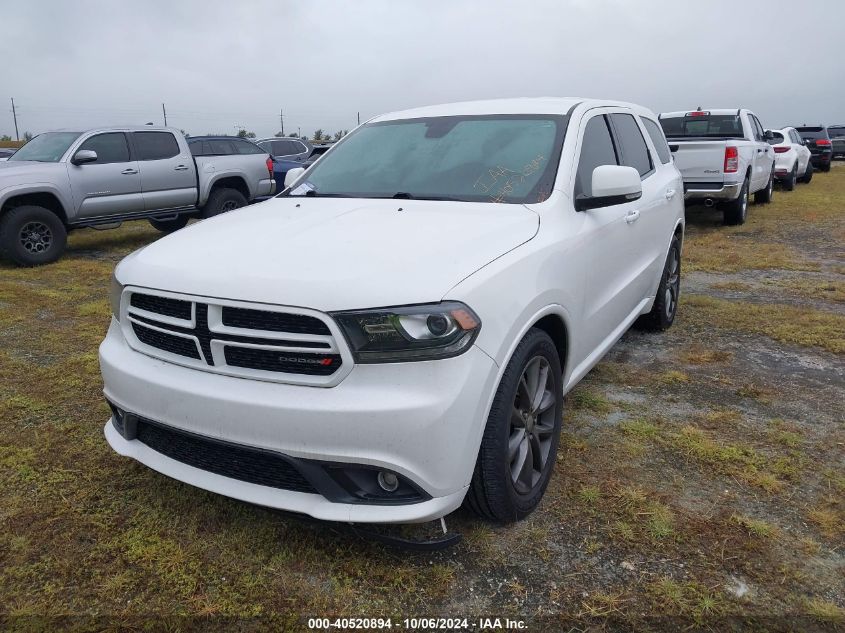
{"x":44,"y":199}
{"x":236,"y":182}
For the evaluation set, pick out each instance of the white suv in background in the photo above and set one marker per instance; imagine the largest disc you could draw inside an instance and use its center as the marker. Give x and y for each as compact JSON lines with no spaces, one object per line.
{"x":792,"y":158}
{"x":396,"y":331}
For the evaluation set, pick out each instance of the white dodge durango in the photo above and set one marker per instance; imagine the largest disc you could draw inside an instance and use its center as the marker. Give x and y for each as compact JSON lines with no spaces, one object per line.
{"x":393,"y":335}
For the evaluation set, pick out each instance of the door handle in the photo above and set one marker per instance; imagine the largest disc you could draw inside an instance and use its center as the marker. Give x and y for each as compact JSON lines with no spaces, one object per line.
{"x":129,"y":172}
{"x":180,"y":168}
{"x":670,"y":193}
{"x":632,"y":216}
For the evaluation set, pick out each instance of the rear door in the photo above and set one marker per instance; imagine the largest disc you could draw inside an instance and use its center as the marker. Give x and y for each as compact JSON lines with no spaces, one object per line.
{"x":168,"y":173}
{"x":110,"y":185}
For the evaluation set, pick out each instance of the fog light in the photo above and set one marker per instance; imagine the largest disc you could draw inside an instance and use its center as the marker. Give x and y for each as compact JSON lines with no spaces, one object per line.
{"x":388,"y":481}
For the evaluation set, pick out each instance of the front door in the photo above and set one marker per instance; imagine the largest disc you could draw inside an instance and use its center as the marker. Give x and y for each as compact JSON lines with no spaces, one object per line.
{"x":111,"y":185}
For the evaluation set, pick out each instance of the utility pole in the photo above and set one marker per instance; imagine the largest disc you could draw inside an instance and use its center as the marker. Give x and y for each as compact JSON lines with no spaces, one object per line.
{"x":15,"y":117}
{"x":164,"y":112}
{"x":359,"y":118}
{"x":282,"y":121}
{"x":299,"y":132}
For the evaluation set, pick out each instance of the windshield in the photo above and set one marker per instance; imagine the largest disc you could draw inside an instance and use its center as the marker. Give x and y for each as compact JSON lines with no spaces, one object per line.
{"x":493,"y":158}
{"x":717,"y":125}
{"x":46,"y":148}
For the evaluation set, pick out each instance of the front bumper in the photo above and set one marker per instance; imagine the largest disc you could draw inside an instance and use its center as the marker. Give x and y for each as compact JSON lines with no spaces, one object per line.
{"x":423,"y":420}
{"x":697,"y":191}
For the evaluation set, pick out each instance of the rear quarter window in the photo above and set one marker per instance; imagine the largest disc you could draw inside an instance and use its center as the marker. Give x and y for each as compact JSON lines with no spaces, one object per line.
{"x":634,"y":149}
{"x":658,"y":139}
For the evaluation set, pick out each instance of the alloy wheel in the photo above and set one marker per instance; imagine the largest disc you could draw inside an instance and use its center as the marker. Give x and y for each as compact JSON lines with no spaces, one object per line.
{"x":36,"y":237}
{"x":673,"y":284}
{"x":532,"y":425}
{"x":229,"y":205}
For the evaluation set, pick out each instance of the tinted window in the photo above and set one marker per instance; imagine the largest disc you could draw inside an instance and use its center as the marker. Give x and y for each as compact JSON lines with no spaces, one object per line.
{"x":596,"y":150}
{"x":658,"y":139}
{"x":286,"y":148}
{"x":220,"y":147}
{"x":812,"y":132}
{"x":110,"y":148}
{"x":777,"y":137}
{"x":155,"y":145}
{"x":245,"y":147}
{"x":706,"y":126}
{"x":758,"y":129}
{"x":631,"y":143}
{"x":836,"y":132}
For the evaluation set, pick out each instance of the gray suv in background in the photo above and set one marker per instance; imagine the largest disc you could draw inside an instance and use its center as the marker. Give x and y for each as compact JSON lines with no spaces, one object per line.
{"x":69,"y":179}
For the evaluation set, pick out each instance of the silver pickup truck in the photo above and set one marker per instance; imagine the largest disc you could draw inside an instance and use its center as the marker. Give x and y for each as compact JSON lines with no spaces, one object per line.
{"x":723,"y":156}
{"x":68,"y":179}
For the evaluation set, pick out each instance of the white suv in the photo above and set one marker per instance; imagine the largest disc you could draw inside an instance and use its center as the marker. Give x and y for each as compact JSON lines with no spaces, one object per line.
{"x":396,"y":331}
{"x":792,"y":158}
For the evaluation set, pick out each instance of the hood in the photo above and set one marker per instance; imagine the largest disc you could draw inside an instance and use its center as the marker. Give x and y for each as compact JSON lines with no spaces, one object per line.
{"x":17,"y":169}
{"x":332,"y":253}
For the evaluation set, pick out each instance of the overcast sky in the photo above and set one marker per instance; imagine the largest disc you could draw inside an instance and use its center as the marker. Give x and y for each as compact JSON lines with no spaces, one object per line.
{"x":217,"y":65}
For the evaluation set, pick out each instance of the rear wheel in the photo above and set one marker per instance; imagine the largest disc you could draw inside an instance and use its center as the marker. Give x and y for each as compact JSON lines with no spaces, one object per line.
{"x":764,"y":196}
{"x":32,"y":235}
{"x":519,"y":446}
{"x":665,"y":306}
{"x":223,"y":200}
{"x":825,"y":167}
{"x":791,"y":179}
{"x":736,"y":211}
{"x":808,"y":175}
{"x":168,"y":226}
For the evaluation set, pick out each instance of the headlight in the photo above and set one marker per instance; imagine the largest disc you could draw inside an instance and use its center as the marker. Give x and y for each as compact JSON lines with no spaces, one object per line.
{"x":425,"y":332}
{"x":115,"y":290}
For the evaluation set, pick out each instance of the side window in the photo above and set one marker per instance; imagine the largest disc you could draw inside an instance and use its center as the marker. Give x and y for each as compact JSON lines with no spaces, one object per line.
{"x":220,"y":147}
{"x":758,"y":129}
{"x":299,"y":148}
{"x":658,"y":139}
{"x":245,"y":147}
{"x":631,"y":143}
{"x":155,"y":145}
{"x":596,"y":150}
{"x":110,"y":147}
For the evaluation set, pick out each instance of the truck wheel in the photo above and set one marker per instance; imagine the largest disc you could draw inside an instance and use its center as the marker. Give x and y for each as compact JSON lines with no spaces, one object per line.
{"x":517,"y":452}
{"x":168,"y":226}
{"x":808,"y":175}
{"x":764,"y":196}
{"x":662,"y":313}
{"x":789,"y":183}
{"x":32,"y":236}
{"x":737,"y":210}
{"x":223,"y":200}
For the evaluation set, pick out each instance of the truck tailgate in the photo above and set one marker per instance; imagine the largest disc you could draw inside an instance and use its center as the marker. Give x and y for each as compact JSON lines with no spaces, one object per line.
{"x":699,"y":161}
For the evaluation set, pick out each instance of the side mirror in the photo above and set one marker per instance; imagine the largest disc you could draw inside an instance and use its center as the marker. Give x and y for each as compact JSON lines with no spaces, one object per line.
{"x":768,"y":135}
{"x":84,"y":156}
{"x":612,"y":184}
{"x":293,"y":175}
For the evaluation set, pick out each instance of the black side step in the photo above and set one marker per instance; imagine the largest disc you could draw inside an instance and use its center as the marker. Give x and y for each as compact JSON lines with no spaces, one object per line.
{"x":117,"y":218}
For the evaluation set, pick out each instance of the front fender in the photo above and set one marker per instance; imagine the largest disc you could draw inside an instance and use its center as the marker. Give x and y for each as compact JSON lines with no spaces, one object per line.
{"x":61,"y":193}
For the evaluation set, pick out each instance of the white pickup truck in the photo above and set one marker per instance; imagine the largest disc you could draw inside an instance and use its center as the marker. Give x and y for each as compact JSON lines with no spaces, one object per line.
{"x":723,"y":156}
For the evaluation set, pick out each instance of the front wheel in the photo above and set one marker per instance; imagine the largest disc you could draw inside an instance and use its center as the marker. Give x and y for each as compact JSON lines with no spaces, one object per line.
{"x":764,"y":196}
{"x":519,"y":446}
{"x":32,"y":235}
{"x":662,"y":313}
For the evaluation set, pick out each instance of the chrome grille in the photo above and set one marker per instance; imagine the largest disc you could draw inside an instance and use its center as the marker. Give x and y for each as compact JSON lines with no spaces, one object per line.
{"x":275,"y":343}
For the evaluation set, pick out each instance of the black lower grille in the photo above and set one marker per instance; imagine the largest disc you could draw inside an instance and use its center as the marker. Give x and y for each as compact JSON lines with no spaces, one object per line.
{"x":244,"y":463}
{"x":176,"y":308}
{"x":280,"y":361}
{"x":273,"y":321}
{"x":167,"y":342}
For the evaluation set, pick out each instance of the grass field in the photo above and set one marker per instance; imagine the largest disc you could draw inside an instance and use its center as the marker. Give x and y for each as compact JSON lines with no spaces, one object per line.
{"x":701,"y":479}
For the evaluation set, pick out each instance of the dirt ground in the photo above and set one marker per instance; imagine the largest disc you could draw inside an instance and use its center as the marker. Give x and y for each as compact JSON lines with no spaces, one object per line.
{"x":700,"y":483}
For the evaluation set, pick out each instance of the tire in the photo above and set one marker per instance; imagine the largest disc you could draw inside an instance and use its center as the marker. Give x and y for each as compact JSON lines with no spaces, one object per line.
{"x":32,"y":235}
{"x":168,"y":226}
{"x":808,"y":174}
{"x":665,"y":307}
{"x":736,"y":211}
{"x":825,"y":168}
{"x":789,"y":182}
{"x":223,"y":200}
{"x":510,"y":439}
{"x":764,"y":196}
